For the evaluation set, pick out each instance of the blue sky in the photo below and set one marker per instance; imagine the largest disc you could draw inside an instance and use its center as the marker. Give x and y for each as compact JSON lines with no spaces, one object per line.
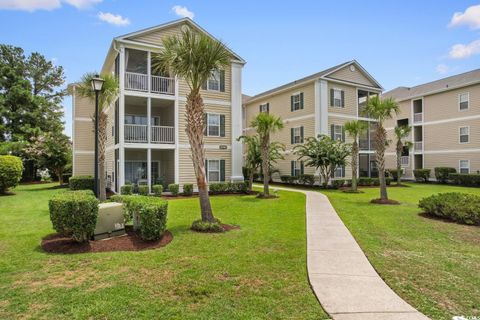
{"x":399,"y":43}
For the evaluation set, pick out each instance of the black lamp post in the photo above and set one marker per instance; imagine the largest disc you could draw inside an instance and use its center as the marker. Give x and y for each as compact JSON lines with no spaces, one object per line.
{"x":97,"y":84}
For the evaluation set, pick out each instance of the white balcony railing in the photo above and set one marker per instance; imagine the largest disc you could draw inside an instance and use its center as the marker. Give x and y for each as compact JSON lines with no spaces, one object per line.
{"x":404,"y":161}
{"x":139,"y":82}
{"x":163,"y":85}
{"x":418,"y":146}
{"x":418,"y":117}
{"x":163,"y":134}
{"x":136,"y":81}
{"x":137,"y":133}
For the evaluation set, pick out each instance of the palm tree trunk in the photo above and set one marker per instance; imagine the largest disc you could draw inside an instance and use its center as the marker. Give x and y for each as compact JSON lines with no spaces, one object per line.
{"x":399,"y":163}
{"x":102,"y":139}
{"x":354,"y":164}
{"x":380,"y":140}
{"x":265,"y":167}
{"x":194,"y":127}
{"x":250,"y":179}
{"x":59,"y":173}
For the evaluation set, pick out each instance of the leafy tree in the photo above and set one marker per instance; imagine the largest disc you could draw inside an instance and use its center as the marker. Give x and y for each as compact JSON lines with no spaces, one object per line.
{"x":401,"y":132}
{"x":265,"y":124}
{"x":107,"y":97}
{"x":381,"y":110}
{"x":194,"y":57}
{"x":52,"y":151}
{"x":355,"y":129}
{"x":323,"y":154}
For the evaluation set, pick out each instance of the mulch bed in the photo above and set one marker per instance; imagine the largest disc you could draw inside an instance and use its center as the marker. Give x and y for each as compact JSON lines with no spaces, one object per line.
{"x":388,"y":201}
{"x":57,"y":243}
{"x":229,"y":227}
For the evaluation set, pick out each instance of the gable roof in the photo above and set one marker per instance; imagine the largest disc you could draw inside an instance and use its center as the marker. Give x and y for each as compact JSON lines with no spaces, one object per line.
{"x":315,"y":76}
{"x":449,"y":83}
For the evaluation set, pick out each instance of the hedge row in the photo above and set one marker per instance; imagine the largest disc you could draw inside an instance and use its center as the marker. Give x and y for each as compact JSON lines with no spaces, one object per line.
{"x":227,"y":187}
{"x":459,"y":207}
{"x":81,"y":183}
{"x":305,"y":179}
{"x":149,"y":214}
{"x":465,"y":179}
{"x":74,"y":213}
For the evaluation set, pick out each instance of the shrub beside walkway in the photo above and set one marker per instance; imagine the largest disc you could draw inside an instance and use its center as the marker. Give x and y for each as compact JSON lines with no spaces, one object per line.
{"x":340,"y":274}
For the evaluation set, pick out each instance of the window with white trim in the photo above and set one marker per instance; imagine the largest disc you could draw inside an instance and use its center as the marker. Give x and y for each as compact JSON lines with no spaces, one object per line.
{"x":297,"y":168}
{"x":297,"y":135}
{"x":213,"y":174}
{"x":339,"y":172}
{"x":464,"y":166}
{"x":264,"y":107}
{"x":297,"y":102}
{"x":463,"y":101}
{"x":464,"y":134}
{"x":337,"y":132}
{"x":213,"y":124}
{"x":213,"y":83}
{"x":337,"y":98}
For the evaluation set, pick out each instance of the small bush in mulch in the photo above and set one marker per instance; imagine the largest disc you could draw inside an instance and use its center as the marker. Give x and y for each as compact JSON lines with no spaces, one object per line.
{"x":388,"y":201}
{"x":57,"y":243}
{"x":212,"y":227}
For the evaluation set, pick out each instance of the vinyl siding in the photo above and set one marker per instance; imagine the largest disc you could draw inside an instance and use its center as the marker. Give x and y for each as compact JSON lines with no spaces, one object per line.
{"x":83,"y":164}
{"x":452,"y":160}
{"x":187,"y":173}
{"x":446,"y":136}
{"x":356,"y":76}
{"x":350,"y":99}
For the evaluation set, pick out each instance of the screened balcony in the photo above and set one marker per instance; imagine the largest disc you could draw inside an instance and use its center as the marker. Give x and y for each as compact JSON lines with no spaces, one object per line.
{"x":137,"y":125}
{"x":162,"y":167}
{"x":138,"y":77}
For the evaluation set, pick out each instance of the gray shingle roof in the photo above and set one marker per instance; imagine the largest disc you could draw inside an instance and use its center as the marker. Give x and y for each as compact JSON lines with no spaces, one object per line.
{"x":459,"y":80}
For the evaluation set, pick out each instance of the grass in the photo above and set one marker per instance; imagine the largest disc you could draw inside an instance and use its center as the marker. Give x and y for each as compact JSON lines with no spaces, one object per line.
{"x":432,"y":264}
{"x":256,"y":272}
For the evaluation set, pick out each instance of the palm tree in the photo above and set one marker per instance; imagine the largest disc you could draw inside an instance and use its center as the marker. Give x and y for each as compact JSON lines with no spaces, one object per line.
{"x":381,"y":110}
{"x":265,"y":124}
{"x":193,"y":57}
{"x":401,"y":132}
{"x":355,"y":129}
{"x":253,"y":158}
{"x":107,"y":96}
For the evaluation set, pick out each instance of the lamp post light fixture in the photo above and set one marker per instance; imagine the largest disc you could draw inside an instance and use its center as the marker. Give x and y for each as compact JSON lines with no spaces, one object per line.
{"x":97,"y":84}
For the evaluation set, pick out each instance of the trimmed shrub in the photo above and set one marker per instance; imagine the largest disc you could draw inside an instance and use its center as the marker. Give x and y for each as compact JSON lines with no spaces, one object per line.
{"x":143,"y":190}
{"x":459,"y":207}
{"x":465,"y":179}
{"x":173,"y":188}
{"x":74,"y":213}
{"x":126,"y":189}
{"x":306,"y":179}
{"x":422,"y":174}
{"x":338,"y":183}
{"x":363,"y":181}
{"x":375,"y":182}
{"x":442,"y":173}
{"x":388,"y":181}
{"x":394,"y":173}
{"x":187,"y":189}
{"x":289,"y":179}
{"x":11,"y":169}
{"x":217,"y":187}
{"x":149,"y":214}
{"x":157,"y":189}
{"x":228,"y":187}
{"x":201,"y":226}
{"x":81,"y":183}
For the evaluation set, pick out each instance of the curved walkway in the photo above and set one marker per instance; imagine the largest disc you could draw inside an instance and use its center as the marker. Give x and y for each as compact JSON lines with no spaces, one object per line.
{"x":340,"y":274}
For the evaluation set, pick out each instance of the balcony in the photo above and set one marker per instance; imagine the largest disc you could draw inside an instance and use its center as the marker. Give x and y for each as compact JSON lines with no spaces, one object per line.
{"x":138,"y":133}
{"x":139,"y":82}
{"x":405,"y":161}
{"x":418,"y":146}
{"x":418,"y":117}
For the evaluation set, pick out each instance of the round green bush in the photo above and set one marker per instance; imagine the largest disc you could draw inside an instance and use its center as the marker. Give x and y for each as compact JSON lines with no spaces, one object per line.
{"x":143,"y":190}
{"x":126,"y":189}
{"x":173,"y":188}
{"x":157,"y":189}
{"x":456,"y":206}
{"x":187,"y":189}
{"x":11,"y":169}
{"x":209,"y":227}
{"x":81,"y":183}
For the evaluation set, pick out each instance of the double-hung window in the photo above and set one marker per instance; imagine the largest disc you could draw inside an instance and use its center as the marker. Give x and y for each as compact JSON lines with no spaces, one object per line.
{"x":339,"y":172}
{"x":213,"y":170}
{"x":337,"y":132}
{"x":297,"y":135}
{"x":463,"y":101}
{"x":296,"y":102}
{"x":464,"y":166}
{"x":337,"y":98}
{"x":264,"y":107}
{"x":213,"y":124}
{"x":213,"y":83}
{"x":296,"y":168}
{"x":464,"y":134}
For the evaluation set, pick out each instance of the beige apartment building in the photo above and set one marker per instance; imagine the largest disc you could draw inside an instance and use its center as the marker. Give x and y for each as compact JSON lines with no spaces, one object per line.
{"x":147,"y":142}
{"x":445,"y":120}
{"x":319,"y":104}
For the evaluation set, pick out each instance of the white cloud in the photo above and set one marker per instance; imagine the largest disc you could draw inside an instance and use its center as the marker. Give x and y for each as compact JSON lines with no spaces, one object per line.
{"x":462,"y":51}
{"x":183,"y":12}
{"x":442,"y":68}
{"x":114,"y":19}
{"x":32,"y":5}
{"x":471,"y":18}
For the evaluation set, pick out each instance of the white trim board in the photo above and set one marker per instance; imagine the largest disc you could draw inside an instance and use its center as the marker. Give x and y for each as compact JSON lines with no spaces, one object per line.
{"x":223,"y":103}
{"x":347,"y":116}
{"x":84,"y":152}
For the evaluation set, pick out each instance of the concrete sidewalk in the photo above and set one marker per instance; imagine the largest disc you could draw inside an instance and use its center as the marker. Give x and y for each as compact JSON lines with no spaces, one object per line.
{"x":340,"y":274}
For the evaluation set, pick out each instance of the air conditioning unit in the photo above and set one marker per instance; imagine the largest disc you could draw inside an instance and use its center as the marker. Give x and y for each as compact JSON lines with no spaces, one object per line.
{"x":110,"y":221}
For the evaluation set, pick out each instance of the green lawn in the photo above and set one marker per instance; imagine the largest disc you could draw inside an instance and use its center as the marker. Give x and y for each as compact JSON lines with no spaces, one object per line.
{"x":433,"y":264}
{"x":256,"y":272}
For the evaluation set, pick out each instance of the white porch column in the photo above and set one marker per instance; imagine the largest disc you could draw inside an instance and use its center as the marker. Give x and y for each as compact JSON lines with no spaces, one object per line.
{"x":323,"y":117}
{"x":236,"y":111}
{"x":149,"y":169}
{"x":177,"y":150}
{"x":149,"y":72}
{"x":149,"y":120}
{"x":121,"y":120}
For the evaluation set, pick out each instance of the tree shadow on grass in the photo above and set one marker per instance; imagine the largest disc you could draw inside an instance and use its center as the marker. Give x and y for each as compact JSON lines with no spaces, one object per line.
{"x":64,"y":186}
